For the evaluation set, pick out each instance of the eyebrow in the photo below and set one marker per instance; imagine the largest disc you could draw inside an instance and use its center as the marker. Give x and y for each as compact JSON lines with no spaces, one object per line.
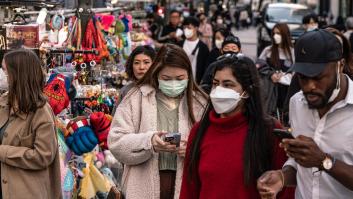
{"x":170,"y":76}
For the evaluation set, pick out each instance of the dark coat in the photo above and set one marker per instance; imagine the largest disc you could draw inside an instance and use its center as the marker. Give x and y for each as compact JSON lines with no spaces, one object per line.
{"x":269,"y":89}
{"x":201,"y":62}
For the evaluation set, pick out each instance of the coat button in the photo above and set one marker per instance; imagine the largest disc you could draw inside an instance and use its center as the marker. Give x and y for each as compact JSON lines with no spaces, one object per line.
{"x":4,"y":181}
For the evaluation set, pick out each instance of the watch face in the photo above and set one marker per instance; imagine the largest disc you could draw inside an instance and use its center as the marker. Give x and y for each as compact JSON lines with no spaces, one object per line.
{"x":327,"y":164}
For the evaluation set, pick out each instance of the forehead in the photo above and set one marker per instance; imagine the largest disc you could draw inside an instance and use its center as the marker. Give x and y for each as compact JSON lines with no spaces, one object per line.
{"x":225,"y":74}
{"x":231,"y":45}
{"x":141,"y":57}
{"x":169,"y":70}
{"x":174,"y":15}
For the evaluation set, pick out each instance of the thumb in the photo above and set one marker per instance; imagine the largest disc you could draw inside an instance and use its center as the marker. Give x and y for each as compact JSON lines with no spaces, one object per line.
{"x":266,"y":177}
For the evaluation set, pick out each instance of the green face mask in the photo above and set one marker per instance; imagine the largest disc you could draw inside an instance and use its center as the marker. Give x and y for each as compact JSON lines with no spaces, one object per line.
{"x":172,"y":88}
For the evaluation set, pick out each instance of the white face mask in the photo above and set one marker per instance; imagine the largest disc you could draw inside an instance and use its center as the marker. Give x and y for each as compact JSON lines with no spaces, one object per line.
{"x":219,"y":43}
{"x":224,"y":100}
{"x":220,"y":21}
{"x":277,"y":38}
{"x":338,"y":87}
{"x":312,"y":27}
{"x":188,"y":33}
{"x":4,"y":85}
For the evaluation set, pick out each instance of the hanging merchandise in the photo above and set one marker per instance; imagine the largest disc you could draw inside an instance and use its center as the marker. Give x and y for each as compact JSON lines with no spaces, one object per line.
{"x":57,"y":92}
{"x":57,"y":22}
{"x":81,"y":138}
{"x":93,"y":181}
{"x":101,"y":125}
{"x":22,"y":36}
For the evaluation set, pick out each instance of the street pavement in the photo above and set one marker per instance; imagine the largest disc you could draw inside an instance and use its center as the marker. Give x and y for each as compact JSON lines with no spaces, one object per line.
{"x":248,"y":40}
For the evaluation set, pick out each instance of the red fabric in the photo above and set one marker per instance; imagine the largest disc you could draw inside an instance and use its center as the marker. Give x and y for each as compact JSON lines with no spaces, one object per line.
{"x":101,"y":126}
{"x":221,"y":155}
{"x":57,"y":94}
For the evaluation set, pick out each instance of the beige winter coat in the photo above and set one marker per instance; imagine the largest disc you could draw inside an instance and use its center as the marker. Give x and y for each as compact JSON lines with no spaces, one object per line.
{"x":129,"y":140}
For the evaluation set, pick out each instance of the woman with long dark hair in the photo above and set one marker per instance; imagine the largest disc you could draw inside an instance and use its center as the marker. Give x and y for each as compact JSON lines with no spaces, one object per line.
{"x":165,"y":100}
{"x":29,"y":153}
{"x":233,"y":144}
{"x":279,"y":57}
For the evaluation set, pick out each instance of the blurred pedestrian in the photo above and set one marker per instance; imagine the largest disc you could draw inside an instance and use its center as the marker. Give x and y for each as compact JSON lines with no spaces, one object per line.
{"x":349,"y":32}
{"x":279,"y":58}
{"x":230,"y":45}
{"x":172,"y":32}
{"x":233,"y":144}
{"x":196,"y":50}
{"x":217,"y":40}
{"x":166,"y":99}
{"x":219,"y":22}
{"x":29,"y":153}
{"x":155,"y":25}
{"x":310,"y":22}
{"x":321,"y":115}
{"x":205,"y":30}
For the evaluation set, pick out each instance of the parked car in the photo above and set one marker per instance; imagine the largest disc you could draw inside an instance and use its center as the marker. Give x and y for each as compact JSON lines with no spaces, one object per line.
{"x":273,"y":13}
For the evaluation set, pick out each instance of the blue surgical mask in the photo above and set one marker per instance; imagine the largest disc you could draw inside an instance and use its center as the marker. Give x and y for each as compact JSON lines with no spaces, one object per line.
{"x":172,"y":88}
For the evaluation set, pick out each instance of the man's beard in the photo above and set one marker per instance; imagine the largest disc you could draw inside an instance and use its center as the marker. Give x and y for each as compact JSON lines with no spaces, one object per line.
{"x":323,"y":98}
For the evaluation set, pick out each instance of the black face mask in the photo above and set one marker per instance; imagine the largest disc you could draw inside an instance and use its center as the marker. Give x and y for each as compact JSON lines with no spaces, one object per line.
{"x":229,"y":52}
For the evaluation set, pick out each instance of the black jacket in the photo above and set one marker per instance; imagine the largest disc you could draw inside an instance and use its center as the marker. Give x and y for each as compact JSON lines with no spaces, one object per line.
{"x":201,"y":62}
{"x":163,"y":36}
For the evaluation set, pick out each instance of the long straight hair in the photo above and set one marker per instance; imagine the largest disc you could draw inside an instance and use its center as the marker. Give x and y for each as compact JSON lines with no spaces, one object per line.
{"x":171,"y":55}
{"x":286,"y":45}
{"x":258,"y":147}
{"x":26,"y":81}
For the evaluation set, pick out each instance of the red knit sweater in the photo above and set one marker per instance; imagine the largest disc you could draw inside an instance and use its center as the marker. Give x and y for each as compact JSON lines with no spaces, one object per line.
{"x":220,"y":170}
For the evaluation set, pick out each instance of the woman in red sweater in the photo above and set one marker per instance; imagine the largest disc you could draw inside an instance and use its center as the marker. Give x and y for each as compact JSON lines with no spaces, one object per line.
{"x":233,"y":144}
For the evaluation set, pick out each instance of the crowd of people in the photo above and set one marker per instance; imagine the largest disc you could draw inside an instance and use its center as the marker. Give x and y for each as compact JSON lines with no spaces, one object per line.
{"x":217,"y":107}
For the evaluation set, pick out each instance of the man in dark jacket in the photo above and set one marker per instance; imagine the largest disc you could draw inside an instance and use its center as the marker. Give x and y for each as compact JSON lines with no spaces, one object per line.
{"x":230,"y":45}
{"x":170,"y":32}
{"x":196,"y":50}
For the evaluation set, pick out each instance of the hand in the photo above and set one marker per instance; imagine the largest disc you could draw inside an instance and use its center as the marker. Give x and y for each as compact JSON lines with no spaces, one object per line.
{"x":172,"y":35}
{"x":270,"y":184}
{"x":304,"y":150}
{"x":276,"y":77}
{"x":182,"y":149}
{"x":159,"y":145}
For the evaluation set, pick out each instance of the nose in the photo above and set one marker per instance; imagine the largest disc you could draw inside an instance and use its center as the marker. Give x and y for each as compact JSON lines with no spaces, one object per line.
{"x":310,"y":85}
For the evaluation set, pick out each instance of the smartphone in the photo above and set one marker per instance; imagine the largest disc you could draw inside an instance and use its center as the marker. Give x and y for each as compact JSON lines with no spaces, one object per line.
{"x":173,"y":138}
{"x":283,"y":133}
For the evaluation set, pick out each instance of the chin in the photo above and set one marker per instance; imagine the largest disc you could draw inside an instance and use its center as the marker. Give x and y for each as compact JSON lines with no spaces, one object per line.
{"x":317,"y":105}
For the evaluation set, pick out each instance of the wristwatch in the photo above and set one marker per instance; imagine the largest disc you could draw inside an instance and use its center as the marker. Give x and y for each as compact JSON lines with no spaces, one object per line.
{"x":328,"y":162}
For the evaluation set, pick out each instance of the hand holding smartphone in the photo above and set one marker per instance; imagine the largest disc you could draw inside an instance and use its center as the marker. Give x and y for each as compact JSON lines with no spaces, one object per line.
{"x":172,"y":138}
{"x":283,"y":133}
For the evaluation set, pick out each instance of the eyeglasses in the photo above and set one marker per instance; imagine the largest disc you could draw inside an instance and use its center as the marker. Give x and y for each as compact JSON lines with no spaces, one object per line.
{"x":234,"y":56}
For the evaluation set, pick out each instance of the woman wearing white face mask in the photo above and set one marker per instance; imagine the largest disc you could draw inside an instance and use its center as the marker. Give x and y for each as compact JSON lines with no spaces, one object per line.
{"x":165,"y":100}
{"x":279,"y":58}
{"x":232,"y":145}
